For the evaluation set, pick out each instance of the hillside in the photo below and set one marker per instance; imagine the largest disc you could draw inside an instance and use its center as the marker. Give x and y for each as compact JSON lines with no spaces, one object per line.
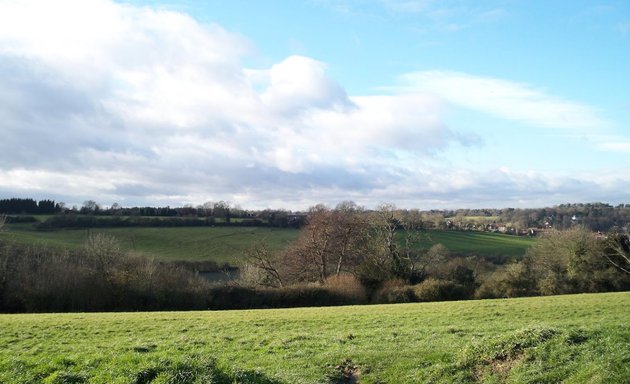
{"x":228,"y":244}
{"x":219,"y":244}
{"x":573,"y":338}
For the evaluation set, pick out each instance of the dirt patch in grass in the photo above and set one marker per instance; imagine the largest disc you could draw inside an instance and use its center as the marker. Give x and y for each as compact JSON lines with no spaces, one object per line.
{"x":498,"y":367}
{"x":345,"y":373}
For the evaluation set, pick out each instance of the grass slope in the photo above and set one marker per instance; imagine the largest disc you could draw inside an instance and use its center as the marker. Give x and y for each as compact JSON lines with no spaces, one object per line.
{"x":220,"y":244}
{"x":227,"y":244}
{"x":573,"y":339}
{"x":484,"y":243}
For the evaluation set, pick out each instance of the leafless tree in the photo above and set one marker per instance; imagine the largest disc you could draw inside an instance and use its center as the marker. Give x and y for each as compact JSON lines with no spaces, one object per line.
{"x":333,"y":242}
{"x":617,"y":250}
{"x":262,"y":266}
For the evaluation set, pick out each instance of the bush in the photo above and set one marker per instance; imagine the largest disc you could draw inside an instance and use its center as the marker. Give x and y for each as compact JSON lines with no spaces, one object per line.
{"x":99,"y":277}
{"x":440,"y":290}
{"x":394,"y":291}
{"x":19,"y":219}
{"x":492,"y":287}
{"x":347,"y":286}
{"x":232,"y":296}
{"x":511,"y":280}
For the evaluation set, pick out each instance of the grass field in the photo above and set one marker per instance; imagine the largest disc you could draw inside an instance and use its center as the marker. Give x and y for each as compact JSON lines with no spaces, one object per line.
{"x":572,"y":339}
{"x":220,"y":244}
{"x":227,"y":244}
{"x":484,"y":243}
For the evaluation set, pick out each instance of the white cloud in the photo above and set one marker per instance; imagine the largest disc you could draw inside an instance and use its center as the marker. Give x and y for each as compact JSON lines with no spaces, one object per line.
{"x":521,"y":103}
{"x":137,"y":101}
{"x":114,"y":102}
{"x":506,"y":99}
{"x":299,"y":83}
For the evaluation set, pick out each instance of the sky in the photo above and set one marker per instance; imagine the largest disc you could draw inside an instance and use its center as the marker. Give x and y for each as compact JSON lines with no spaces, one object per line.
{"x":286,"y":104}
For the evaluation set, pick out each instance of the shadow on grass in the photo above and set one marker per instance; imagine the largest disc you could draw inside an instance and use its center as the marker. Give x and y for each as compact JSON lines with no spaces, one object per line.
{"x":198,"y":369}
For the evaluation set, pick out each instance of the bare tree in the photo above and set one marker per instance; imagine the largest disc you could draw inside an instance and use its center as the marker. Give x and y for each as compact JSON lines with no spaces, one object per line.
{"x":332,"y":242}
{"x":263,"y":266}
{"x":351,"y":233}
{"x":386,"y":229}
{"x":617,"y":250}
{"x":104,"y":252}
{"x":90,"y":206}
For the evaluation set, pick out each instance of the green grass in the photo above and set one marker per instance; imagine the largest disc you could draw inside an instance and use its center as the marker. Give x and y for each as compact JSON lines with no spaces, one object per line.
{"x":481,"y":243}
{"x":220,"y":244}
{"x":227,"y":244}
{"x":38,"y":217}
{"x":480,"y":219}
{"x":572,"y":339}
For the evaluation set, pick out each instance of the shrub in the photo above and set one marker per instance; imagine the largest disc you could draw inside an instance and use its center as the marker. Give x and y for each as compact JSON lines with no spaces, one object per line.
{"x":440,"y":290}
{"x":491,"y":287}
{"x":394,"y":291}
{"x":99,"y":277}
{"x":17,"y":219}
{"x":347,"y":286}
{"x":232,"y":296}
{"x":511,"y":280}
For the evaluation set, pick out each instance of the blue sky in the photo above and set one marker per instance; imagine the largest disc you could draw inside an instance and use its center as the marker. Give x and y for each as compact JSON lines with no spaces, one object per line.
{"x":427,"y":104}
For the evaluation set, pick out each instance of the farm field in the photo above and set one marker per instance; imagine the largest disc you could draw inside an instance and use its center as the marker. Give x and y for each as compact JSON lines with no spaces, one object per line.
{"x":483,"y":243}
{"x":572,"y":339}
{"x":219,"y":244}
{"x":227,"y":244}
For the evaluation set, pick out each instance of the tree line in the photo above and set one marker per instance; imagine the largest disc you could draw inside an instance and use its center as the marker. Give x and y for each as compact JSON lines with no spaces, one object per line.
{"x":376,"y":251}
{"x":28,"y":206}
{"x":93,"y":215}
{"x":343,"y":255}
{"x":594,"y":216}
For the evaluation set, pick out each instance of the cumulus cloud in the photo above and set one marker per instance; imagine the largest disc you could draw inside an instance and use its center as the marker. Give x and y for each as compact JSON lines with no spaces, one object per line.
{"x":114,"y":102}
{"x":105,"y":100}
{"x":300,"y":83}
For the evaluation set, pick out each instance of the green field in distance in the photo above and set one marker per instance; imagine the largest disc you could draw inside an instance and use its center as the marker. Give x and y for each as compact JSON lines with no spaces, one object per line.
{"x":228,"y":244}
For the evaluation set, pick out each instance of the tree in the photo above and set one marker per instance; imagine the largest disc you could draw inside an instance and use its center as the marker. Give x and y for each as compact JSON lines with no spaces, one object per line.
{"x":617,"y":250}
{"x":332,"y":242}
{"x":572,"y":261}
{"x":105,"y":253}
{"x":430,"y":262}
{"x":46,"y":206}
{"x":350,"y":233}
{"x":262,"y":267}
{"x":511,"y":280}
{"x":90,"y":206}
{"x":221,"y":209}
{"x":394,"y":236}
{"x":116,"y":209}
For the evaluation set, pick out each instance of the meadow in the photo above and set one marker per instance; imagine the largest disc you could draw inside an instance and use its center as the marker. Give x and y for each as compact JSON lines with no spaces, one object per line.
{"x":228,"y":244}
{"x":480,"y":243}
{"x":571,"y":339}
{"x":218,"y":244}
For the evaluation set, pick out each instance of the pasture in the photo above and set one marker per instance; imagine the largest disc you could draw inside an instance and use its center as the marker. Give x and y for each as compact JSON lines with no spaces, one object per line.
{"x":494,"y":246}
{"x":572,"y":339}
{"x":228,"y":244}
{"x":218,"y":244}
